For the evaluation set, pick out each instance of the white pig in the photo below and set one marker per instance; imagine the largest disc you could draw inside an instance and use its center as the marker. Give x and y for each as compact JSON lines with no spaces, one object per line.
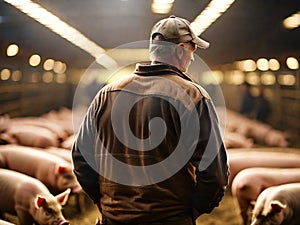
{"x":55,"y":172}
{"x":250,"y":182}
{"x":278,"y":205}
{"x":3,"y":222}
{"x":30,"y":199}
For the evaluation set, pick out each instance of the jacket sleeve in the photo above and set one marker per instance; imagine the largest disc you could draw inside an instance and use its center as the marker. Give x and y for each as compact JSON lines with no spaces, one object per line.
{"x":210,"y":160}
{"x":83,"y":156}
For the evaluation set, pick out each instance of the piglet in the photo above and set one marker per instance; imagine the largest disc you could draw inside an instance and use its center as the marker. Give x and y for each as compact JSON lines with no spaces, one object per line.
{"x":55,"y":172}
{"x":30,"y":199}
{"x":278,"y":205}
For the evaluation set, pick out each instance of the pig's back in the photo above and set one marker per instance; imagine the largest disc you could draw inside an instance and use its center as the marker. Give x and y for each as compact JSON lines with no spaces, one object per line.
{"x":28,"y":160}
{"x":8,"y":185}
{"x":287,"y":192}
{"x":13,"y":185}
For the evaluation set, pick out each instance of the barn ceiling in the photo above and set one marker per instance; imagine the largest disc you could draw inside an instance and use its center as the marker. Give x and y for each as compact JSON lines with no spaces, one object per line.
{"x":249,"y":29}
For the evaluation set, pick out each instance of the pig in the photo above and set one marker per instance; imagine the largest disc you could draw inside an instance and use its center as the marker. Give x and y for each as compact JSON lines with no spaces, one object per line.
{"x":55,"y":172}
{"x":68,"y":143}
{"x":63,"y":117}
{"x":30,"y":135}
{"x":30,"y":199}
{"x":278,"y":205}
{"x":260,"y":132}
{"x":250,"y":182}
{"x":4,"y":123}
{"x":41,"y":122}
{"x":61,"y":152}
{"x":3,"y":222}
{"x":262,"y":157}
{"x":236,"y":140}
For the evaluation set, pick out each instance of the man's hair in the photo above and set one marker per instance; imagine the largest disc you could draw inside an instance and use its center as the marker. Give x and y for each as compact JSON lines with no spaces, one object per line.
{"x":160,"y":47}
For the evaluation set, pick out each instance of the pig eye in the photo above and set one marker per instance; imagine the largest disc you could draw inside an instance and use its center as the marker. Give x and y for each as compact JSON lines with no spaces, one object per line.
{"x":49,"y":211}
{"x":69,"y":177}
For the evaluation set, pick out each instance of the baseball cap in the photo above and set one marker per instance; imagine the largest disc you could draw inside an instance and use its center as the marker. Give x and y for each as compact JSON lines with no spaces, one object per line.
{"x":175,"y":29}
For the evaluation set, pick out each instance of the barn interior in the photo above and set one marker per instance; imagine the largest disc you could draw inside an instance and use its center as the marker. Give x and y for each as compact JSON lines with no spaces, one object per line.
{"x":55,"y":56}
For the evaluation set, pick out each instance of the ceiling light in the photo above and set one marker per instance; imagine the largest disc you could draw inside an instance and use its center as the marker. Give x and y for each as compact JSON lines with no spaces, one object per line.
{"x":287,"y":79}
{"x":247,"y":65}
{"x":64,"y":30}
{"x":47,"y":77}
{"x":262,"y":64}
{"x":12,"y":50}
{"x":34,"y":60}
{"x":253,"y":78}
{"x":59,"y":67}
{"x":235,"y":77}
{"x":292,"y":21}
{"x":61,"y":78}
{"x":162,"y":6}
{"x":48,"y":64}
{"x":5,"y":74}
{"x":16,"y":75}
{"x":292,"y":63}
{"x":268,"y":78}
{"x":274,"y":64}
{"x":210,"y":14}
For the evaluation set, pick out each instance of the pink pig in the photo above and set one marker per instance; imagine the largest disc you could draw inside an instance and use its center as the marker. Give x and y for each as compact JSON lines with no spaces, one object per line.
{"x":30,"y":199}
{"x":55,"y":172}
{"x":61,"y":152}
{"x":249,"y":183}
{"x":262,"y":157}
{"x":278,"y":205}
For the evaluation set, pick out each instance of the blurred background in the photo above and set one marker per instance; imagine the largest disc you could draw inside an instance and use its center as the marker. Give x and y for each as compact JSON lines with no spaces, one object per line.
{"x":47,"y":45}
{"x":56,"y":54}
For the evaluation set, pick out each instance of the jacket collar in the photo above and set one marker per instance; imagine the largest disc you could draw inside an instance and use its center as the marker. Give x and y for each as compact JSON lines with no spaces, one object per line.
{"x":159,"y":69}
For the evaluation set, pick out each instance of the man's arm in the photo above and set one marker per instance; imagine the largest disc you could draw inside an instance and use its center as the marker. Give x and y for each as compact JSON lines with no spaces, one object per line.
{"x":83,"y":156}
{"x":210,"y":159}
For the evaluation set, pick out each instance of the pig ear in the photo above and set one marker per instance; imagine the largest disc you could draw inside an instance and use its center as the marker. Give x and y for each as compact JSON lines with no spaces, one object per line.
{"x":61,"y":169}
{"x":252,"y":204}
{"x":62,"y":198}
{"x":40,"y":201}
{"x":277,"y":206}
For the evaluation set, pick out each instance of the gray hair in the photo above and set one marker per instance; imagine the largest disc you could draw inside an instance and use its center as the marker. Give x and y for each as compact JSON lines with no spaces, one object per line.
{"x":160,"y":47}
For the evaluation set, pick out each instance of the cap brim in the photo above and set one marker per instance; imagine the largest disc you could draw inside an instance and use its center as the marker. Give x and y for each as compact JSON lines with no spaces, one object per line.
{"x":201,"y":43}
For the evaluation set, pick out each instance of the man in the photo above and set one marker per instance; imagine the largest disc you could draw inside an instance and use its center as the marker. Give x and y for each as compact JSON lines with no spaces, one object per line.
{"x":149,"y":150}
{"x":247,"y":105}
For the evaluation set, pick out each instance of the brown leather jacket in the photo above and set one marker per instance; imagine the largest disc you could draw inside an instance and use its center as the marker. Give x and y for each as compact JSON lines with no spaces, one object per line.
{"x":140,"y":180}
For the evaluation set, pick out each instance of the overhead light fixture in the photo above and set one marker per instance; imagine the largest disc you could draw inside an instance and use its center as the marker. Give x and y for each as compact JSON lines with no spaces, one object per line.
{"x":287,"y":79}
{"x":274,"y":64}
{"x":262,"y":64}
{"x":48,"y":64}
{"x":64,"y":30}
{"x":292,"y":21}
{"x":16,"y":75}
{"x":12,"y":50}
{"x":268,"y":78}
{"x":292,"y":63}
{"x":34,"y":60}
{"x":162,"y":6}
{"x":5,"y":74}
{"x":210,"y":14}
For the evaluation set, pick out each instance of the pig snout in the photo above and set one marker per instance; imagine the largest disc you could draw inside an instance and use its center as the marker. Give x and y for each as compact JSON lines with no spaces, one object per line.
{"x":63,"y":222}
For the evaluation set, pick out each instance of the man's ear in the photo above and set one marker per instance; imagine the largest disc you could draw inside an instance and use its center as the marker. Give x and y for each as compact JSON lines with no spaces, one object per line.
{"x":179,"y":50}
